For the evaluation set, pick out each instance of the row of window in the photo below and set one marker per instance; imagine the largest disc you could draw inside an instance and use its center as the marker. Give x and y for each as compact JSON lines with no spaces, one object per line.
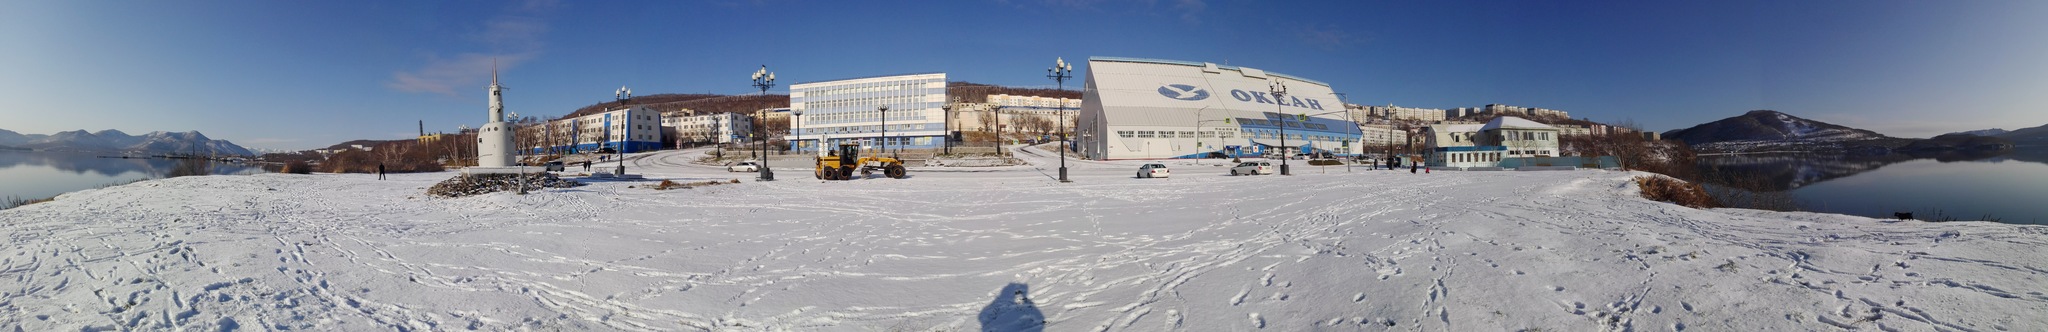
{"x":1472,"y":157}
{"x":864,"y":116}
{"x":1525,"y":136}
{"x":865,"y":129}
{"x":892,"y":141}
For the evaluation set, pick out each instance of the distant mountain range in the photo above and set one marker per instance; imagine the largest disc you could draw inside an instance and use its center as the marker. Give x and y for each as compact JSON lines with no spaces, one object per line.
{"x":115,"y":141}
{"x":1766,"y":130}
{"x":2028,"y":136}
{"x":1772,"y":131}
{"x":1983,"y":132}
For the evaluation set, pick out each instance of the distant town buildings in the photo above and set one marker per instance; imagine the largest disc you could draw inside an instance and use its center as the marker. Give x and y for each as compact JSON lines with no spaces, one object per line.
{"x":1506,"y":110}
{"x":1369,"y":113}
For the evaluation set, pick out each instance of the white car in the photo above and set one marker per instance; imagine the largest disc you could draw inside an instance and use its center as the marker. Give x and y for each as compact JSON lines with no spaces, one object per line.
{"x":1252,"y":168}
{"x":1154,"y":171}
{"x":744,"y":166}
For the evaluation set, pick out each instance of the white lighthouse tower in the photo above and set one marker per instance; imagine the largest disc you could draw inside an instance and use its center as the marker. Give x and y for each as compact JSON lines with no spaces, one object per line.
{"x":494,"y":139}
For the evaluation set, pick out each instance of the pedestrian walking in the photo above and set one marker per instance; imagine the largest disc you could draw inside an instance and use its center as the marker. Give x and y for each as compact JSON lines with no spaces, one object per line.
{"x":380,"y":171}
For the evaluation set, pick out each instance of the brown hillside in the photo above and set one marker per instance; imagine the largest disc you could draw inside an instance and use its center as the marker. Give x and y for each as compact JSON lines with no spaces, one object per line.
{"x":702,"y":103}
{"x":968,"y":92}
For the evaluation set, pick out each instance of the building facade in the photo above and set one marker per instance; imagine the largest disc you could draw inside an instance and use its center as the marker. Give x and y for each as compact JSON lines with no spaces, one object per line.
{"x":719,"y":128}
{"x":1156,"y":109}
{"x":627,"y":130}
{"x":1486,"y":145}
{"x":1508,"y":110}
{"x":908,"y":109}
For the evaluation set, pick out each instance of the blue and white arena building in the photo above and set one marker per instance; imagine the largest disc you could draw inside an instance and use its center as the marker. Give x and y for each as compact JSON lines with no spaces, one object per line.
{"x":1160,"y":109}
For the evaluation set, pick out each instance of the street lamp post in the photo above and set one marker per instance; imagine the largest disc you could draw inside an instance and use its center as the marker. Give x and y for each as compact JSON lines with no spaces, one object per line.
{"x":1279,"y":97}
{"x":947,"y":140}
{"x":764,"y":79}
{"x":1060,"y":72}
{"x":1388,"y":114}
{"x":797,"y":127}
{"x":619,"y":150}
{"x":884,"y":138}
{"x":999,"y":131}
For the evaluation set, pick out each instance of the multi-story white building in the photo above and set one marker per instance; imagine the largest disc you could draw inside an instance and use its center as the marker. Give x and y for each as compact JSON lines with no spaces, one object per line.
{"x":1485,"y":145}
{"x":860,"y":110}
{"x":709,"y":128}
{"x":1382,"y":135}
{"x":1152,"y":109}
{"x":631,"y":129}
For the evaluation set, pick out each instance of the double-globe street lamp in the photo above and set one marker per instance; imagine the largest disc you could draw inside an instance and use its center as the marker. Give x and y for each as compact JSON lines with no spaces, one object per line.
{"x":1060,"y":72}
{"x":764,"y":79}
{"x":1279,"y":99}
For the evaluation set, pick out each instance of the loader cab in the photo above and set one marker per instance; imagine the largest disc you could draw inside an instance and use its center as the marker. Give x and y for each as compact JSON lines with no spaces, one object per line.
{"x":848,"y":153}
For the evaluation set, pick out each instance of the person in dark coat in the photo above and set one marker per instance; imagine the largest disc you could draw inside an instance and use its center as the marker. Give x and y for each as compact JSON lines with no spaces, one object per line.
{"x":380,"y":171}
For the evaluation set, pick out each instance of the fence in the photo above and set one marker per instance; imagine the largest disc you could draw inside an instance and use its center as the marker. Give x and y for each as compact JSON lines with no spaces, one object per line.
{"x":1602,"y":162}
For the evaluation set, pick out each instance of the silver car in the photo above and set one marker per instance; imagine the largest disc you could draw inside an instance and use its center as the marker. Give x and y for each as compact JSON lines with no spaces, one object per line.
{"x":1153,"y":171}
{"x":1252,"y":168}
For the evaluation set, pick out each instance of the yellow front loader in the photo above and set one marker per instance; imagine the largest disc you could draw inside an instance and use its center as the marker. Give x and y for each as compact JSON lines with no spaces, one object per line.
{"x":841,"y":165}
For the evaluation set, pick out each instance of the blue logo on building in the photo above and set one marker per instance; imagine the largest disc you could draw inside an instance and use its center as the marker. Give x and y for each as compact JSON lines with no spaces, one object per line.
{"x":1183,"y":92}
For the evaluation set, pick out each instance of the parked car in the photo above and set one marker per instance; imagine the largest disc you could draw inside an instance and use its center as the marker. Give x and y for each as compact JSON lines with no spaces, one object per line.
{"x":744,"y":166}
{"x":1154,"y":171}
{"x":554,"y":166}
{"x":1252,"y":168}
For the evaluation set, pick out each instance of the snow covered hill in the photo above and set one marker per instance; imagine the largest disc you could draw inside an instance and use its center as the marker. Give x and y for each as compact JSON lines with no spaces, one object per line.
{"x":158,"y":142}
{"x":1002,"y":249}
{"x":1766,"y":130}
{"x":1983,"y":132}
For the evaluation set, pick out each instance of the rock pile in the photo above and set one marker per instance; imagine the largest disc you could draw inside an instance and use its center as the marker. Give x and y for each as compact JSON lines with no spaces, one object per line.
{"x":478,"y":184}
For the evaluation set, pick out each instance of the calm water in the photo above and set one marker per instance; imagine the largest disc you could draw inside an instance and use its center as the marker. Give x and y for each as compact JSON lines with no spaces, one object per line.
{"x":31,"y":175}
{"x":2010,"y":186}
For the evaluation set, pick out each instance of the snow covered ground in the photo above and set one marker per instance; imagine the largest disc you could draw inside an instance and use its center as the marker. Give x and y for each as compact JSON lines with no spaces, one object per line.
{"x":1003,"y":248}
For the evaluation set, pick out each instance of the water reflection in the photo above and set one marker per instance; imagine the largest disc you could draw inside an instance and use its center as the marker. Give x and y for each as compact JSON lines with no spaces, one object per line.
{"x":44,"y":174}
{"x":2004,"y":185}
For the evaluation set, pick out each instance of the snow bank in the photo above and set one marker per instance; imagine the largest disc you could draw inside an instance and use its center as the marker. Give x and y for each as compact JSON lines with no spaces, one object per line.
{"x":1006,"y":249}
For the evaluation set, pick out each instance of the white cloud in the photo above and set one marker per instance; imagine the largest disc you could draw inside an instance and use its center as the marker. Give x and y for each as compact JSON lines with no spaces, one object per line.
{"x":1191,"y":10}
{"x":1326,"y":37}
{"x":510,"y":38}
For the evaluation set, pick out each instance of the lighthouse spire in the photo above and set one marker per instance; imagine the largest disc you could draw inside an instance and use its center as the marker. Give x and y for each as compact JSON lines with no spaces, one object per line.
{"x":494,"y":71}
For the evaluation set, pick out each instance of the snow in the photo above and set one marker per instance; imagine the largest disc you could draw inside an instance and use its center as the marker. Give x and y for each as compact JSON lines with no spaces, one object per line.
{"x":995,"y":248}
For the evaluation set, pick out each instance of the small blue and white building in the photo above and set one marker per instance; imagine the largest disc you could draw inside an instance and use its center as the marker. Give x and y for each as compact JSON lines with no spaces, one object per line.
{"x":628,"y":130}
{"x":1159,"y":109}
{"x":850,"y":110}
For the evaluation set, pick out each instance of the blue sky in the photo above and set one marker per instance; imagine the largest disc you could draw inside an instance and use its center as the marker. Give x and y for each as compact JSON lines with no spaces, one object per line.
{"x":296,"y":74}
